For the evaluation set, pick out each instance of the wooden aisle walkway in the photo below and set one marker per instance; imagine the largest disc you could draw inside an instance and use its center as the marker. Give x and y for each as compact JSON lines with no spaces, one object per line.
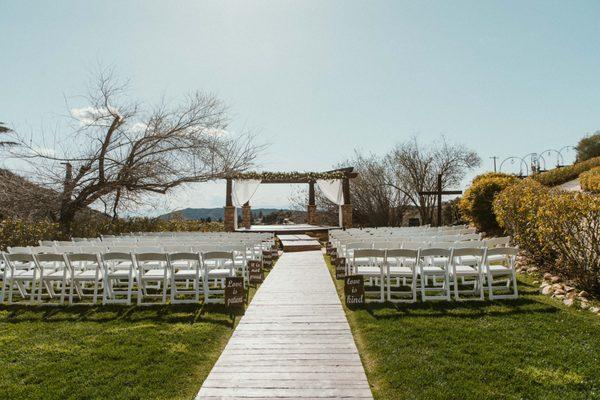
{"x":294,"y":341}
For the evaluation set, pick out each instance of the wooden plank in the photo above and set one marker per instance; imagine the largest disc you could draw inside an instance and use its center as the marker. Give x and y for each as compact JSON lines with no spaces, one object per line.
{"x":294,"y":341}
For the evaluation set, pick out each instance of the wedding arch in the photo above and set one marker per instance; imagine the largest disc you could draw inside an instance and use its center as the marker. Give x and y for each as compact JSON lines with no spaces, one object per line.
{"x":335,"y":185}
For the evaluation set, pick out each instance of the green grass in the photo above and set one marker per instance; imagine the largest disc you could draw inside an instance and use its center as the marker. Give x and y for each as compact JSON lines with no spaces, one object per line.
{"x":530,"y":348}
{"x":109,"y":352}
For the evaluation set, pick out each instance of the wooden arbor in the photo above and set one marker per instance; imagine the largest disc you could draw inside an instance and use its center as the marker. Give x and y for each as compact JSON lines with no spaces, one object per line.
{"x":345,"y":174}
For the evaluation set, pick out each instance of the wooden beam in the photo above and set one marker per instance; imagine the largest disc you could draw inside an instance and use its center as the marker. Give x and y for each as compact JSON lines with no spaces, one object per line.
{"x":346,"y":190}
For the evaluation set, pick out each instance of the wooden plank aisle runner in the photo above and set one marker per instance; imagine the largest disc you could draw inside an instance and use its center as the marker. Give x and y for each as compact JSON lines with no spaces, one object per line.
{"x":293,"y":342}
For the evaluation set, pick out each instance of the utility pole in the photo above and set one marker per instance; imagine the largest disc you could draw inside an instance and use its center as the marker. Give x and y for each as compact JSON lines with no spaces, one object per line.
{"x":494,"y":158}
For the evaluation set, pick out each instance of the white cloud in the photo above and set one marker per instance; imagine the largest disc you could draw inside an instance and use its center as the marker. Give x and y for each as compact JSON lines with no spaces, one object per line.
{"x":88,"y":115}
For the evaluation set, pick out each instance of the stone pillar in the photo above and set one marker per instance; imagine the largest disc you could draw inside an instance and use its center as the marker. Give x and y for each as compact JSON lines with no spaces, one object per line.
{"x":347,"y":215}
{"x":313,"y":219}
{"x":246,"y":215}
{"x":229,"y":218}
{"x":311,"y":208}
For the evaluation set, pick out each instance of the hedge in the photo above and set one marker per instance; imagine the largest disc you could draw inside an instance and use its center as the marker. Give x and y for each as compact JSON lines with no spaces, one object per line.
{"x":19,"y":232}
{"x":590,"y":180}
{"x":559,"y":176}
{"x":558,"y":230}
{"x":476,"y":204}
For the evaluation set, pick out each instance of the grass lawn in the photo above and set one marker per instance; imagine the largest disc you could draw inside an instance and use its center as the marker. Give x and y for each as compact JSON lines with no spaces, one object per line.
{"x":109,"y":352}
{"x":530,"y":348}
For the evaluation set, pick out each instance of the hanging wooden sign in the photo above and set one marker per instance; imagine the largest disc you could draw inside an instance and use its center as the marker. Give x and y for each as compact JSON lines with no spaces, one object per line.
{"x":255,"y":272}
{"x":354,"y":290}
{"x":235,"y":297}
{"x":340,"y":268}
{"x":267,"y":258}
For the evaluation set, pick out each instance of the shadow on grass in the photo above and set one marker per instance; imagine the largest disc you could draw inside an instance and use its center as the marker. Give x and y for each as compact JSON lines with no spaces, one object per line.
{"x":472,"y":309}
{"x":179,"y":313}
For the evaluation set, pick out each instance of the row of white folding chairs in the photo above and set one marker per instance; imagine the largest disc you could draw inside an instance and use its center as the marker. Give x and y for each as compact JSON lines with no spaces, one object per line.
{"x":35,"y":276}
{"x":438,"y":271}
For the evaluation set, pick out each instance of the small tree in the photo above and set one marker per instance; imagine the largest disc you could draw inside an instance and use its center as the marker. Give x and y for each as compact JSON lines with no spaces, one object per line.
{"x":416,"y":168}
{"x":588,"y":147}
{"x":117,"y":152}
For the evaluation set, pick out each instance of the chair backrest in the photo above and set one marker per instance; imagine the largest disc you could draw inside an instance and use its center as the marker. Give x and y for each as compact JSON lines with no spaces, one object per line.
{"x":435,"y":252}
{"x":148,"y":257}
{"x":84,"y":257}
{"x":402,"y":253}
{"x":497,"y":242}
{"x":48,"y":257}
{"x":19,"y":250}
{"x":217,"y":255}
{"x":376,"y":253}
{"x":183,"y":256}
{"x":468,"y":251}
{"x":117,"y":256}
{"x":19,"y":257}
{"x":503,"y":251}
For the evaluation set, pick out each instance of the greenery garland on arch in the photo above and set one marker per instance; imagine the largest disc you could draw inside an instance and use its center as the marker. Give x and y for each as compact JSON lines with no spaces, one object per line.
{"x":294,"y":175}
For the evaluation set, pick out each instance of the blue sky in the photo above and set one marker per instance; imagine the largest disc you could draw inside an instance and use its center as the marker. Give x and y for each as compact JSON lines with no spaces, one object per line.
{"x":318,"y":79}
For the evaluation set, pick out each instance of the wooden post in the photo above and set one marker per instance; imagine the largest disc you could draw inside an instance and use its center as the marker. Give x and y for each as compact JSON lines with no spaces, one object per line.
{"x":311,"y":193}
{"x":439,"y":200}
{"x":228,"y":193}
{"x":311,"y":208}
{"x":229,"y":212}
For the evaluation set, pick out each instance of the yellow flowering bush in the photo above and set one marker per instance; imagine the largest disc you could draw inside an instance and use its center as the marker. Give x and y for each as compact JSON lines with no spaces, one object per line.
{"x":559,"y":231}
{"x":476,"y":204}
{"x":570,"y":225}
{"x":558,"y":176}
{"x":19,"y":232}
{"x":590,"y":180}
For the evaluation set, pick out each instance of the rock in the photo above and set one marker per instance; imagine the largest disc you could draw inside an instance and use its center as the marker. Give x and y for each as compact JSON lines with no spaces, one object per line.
{"x":595,"y":310}
{"x":571,"y":295}
{"x":559,"y":291}
{"x":557,"y":286}
{"x":547,"y":276}
{"x":583,"y":299}
{"x":531,"y":270}
{"x":584,"y":294}
{"x":555,"y":279}
{"x":568,"y":302}
{"x":568,"y":288}
{"x":584,"y":305}
{"x":547,"y":290}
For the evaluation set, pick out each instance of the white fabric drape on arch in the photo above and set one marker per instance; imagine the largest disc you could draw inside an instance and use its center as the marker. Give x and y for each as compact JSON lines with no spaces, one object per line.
{"x":334,"y":193}
{"x":242,"y":192}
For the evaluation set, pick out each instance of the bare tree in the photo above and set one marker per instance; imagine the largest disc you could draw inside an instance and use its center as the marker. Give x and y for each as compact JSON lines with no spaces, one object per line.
{"x":3,"y":131}
{"x":374,"y":202}
{"x":116,"y":152}
{"x":416,"y":168}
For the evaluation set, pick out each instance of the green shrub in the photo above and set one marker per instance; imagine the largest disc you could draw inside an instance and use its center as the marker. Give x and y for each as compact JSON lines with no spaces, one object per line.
{"x":559,"y":231}
{"x":19,"y":232}
{"x":590,"y":180}
{"x":588,"y":147}
{"x":559,"y":176}
{"x":476,"y":204}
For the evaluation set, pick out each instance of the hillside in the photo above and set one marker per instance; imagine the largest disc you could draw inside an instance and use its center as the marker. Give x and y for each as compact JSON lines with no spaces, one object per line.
{"x":215,"y":214}
{"x":21,"y":198}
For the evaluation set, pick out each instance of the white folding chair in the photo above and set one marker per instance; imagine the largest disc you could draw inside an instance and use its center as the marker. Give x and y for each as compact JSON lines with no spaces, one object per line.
{"x":433,"y":264}
{"x":186,"y":268}
{"x":499,"y":266}
{"x":20,"y":269}
{"x":375,"y":271}
{"x":216,"y":265}
{"x":54,"y":273}
{"x":119,"y":273}
{"x":153,"y":273}
{"x":402,"y":265}
{"x":469,"y":270}
{"x":85,"y":268}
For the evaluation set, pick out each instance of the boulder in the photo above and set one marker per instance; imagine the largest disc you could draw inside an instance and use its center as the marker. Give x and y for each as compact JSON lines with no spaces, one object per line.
{"x":555,"y":279}
{"x":568,"y":288}
{"x":547,"y":290}
{"x":572,"y":295}
{"x":584,"y":294}
{"x":595,"y":310}
{"x":584,"y":305}
{"x":568,"y":302}
{"x":559,"y":292}
{"x":547,"y":276}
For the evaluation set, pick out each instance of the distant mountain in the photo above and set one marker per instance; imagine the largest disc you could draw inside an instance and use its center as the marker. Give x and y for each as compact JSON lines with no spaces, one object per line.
{"x":214,"y":214}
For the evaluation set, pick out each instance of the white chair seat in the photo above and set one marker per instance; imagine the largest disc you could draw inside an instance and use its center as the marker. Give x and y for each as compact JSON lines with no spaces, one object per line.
{"x":119,"y":274}
{"x":20,"y":274}
{"x":465,"y":270}
{"x":497,"y":269}
{"x":219,"y":273}
{"x":186,"y":273}
{"x":369,"y":271}
{"x":55,"y":275}
{"x":401,"y":271}
{"x":358,"y":261}
{"x":86,"y":275}
{"x":153,"y":274}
